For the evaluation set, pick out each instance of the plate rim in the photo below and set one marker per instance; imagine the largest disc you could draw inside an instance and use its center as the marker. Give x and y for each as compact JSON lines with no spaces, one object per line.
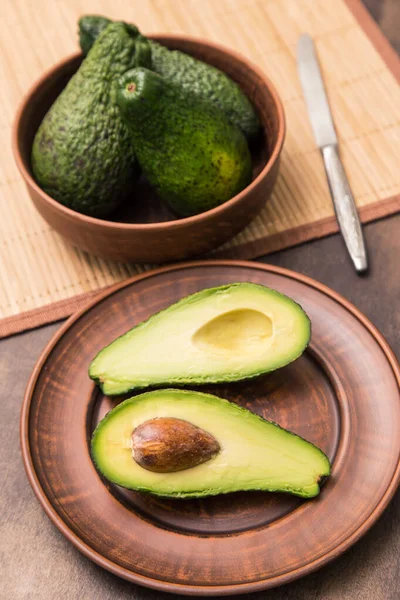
{"x":178,"y":588}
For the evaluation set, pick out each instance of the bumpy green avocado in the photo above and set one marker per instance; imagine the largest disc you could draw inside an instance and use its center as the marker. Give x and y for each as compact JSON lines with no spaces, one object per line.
{"x":226,"y":333}
{"x":193,"y":75}
{"x":189,"y":151}
{"x":89,"y":29}
{"x":82,"y":153}
{"x":187,"y":444}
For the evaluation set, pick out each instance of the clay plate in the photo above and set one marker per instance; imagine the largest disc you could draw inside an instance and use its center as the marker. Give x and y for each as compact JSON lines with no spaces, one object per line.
{"x":342,"y":395}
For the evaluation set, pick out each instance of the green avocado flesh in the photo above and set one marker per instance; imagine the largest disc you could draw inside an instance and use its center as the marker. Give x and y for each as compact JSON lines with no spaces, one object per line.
{"x":254,"y":454}
{"x":227,"y":333}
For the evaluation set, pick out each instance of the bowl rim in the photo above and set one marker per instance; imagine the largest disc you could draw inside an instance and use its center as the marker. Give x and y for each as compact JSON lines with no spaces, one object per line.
{"x":161,"y":225}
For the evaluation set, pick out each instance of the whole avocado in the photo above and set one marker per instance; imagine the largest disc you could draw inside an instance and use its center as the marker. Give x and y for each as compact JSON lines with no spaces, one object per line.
{"x":190,"y":152}
{"x":82,"y":153}
{"x":200,"y":78}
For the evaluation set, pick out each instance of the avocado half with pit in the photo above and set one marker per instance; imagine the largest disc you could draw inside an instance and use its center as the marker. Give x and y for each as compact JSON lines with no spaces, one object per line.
{"x":220,"y":334}
{"x":182,"y":443}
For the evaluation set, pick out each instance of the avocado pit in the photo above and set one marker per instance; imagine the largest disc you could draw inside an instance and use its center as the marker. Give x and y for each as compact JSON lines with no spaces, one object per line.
{"x":167,"y":445}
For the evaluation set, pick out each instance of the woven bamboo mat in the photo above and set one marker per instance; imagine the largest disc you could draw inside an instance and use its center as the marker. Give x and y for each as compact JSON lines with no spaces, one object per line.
{"x":43,"y":279}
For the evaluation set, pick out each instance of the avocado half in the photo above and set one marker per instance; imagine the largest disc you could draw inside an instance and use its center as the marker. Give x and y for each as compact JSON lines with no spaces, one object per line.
{"x":254,"y":454}
{"x":227,"y":333}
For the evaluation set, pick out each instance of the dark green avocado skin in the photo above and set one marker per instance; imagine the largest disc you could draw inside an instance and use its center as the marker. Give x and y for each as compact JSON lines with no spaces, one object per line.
{"x":209,"y":83}
{"x":189,"y":151}
{"x":89,"y":29}
{"x":201,"y":79}
{"x":82,"y":153}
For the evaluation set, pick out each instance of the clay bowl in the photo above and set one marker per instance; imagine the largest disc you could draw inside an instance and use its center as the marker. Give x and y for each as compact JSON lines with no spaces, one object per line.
{"x":147,"y":231}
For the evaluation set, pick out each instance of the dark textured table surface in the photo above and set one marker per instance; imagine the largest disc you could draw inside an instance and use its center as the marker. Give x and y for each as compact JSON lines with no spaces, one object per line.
{"x":36,"y":562}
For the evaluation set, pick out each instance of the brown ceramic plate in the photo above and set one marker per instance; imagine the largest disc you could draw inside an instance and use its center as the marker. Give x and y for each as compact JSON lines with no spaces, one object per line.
{"x":342,"y":395}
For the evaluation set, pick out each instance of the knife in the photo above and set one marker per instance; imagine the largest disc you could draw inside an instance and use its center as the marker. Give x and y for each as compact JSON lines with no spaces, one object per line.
{"x":326,"y":139}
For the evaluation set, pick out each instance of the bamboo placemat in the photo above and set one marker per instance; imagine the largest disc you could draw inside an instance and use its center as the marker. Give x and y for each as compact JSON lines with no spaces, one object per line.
{"x":43,"y":279}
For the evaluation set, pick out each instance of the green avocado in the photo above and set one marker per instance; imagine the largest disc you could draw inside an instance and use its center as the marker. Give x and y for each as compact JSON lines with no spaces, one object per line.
{"x":82,"y":153}
{"x":193,"y":75}
{"x":189,"y":151}
{"x":227,"y":333}
{"x":89,"y":29}
{"x":249,"y":452}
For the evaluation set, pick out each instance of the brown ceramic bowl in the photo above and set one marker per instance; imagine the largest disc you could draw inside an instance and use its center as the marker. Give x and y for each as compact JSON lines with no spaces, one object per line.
{"x":148,"y":231}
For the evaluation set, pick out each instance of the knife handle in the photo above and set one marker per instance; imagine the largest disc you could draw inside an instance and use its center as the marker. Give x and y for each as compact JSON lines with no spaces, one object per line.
{"x":345,"y":207}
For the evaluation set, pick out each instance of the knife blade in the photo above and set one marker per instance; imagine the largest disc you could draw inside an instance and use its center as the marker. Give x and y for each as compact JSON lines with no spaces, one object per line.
{"x":320,"y":116}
